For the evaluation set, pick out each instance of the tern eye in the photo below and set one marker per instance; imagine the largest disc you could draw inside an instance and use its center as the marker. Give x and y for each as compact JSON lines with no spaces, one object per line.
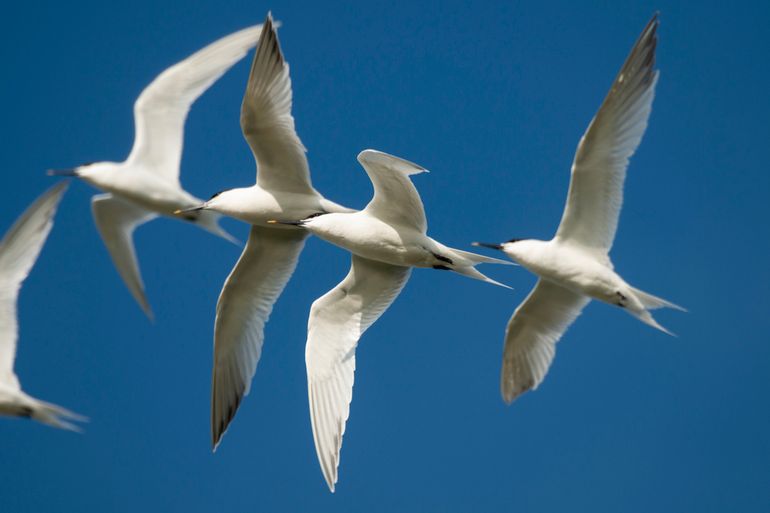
{"x":514,"y":240}
{"x":216,"y":194}
{"x":316,"y":214}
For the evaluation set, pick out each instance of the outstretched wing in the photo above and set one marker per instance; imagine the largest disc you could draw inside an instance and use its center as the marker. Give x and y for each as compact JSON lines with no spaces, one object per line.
{"x":531,"y":336}
{"x":116,"y":220}
{"x":395,"y":200}
{"x":599,"y":170}
{"x":267,"y":123}
{"x":161,"y":110}
{"x":244,"y":306}
{"x":19,"y":250}
{"x":337,"y":320}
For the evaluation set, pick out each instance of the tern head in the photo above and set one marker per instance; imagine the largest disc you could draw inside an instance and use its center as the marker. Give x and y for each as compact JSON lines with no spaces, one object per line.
{"x":514,"y":248}
{"x":95,"y":173}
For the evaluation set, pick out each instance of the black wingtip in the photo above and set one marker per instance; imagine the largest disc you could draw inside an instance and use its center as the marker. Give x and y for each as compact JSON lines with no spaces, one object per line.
{"x":269,"y":37}
{"x":652,"y":25}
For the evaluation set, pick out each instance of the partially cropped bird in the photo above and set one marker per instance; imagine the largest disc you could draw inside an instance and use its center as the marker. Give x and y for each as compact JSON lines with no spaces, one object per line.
{"x":574,"y":267}
{"x":146,"y":184}
{"x":19,"y":250}
{"x":386,"y":239}
{"x":283,"y":189}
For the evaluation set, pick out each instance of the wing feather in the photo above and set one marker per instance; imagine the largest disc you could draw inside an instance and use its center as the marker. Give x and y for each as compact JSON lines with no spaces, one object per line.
{"x":116,"y":220}
{"x":337,"y":321}
{"x":267,"y":123}
{"x":531,"y":336}
{"x":244,"y":307}
{"x":396,"y":200}
{"x":599,"y":169}
{"x":161,"y":110}
{"x":19,"y":250}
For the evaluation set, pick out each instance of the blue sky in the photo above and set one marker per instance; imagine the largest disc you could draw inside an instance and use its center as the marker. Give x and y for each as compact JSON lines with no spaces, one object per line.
{"x":492,"y":99}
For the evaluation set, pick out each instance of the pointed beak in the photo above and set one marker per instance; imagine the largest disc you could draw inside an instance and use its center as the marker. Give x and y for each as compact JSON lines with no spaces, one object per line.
{"x":292,"y":223}
{"x":202,"y":206}
{"x":488,"y":245}
{"x":62,"y":172}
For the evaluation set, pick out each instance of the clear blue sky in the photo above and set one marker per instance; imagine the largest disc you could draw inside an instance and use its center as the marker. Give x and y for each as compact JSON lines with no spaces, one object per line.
{"x":492,"y":99}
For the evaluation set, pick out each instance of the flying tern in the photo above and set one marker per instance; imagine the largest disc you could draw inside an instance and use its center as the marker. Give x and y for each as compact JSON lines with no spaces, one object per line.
{"x":283,"y":189}
{"x":386,"y":239}
{"x":146,"y":184}
{"x":19,"y":250}
{"x":574,"y":267}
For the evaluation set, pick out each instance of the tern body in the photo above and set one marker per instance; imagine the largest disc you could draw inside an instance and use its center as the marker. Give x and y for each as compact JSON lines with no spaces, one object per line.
{"x":142,"y":186}
{"x":258,"y":206}
{"x":146,"y":185}
{"x":19,"y":250}
{"x":283,"y":190}
{"x":370,"y":237}
{"x":574,"y":267}
{"x":386,"y":240}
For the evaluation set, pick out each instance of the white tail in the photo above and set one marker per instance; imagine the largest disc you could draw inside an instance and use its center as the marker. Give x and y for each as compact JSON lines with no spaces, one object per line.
{"x":464,"y":263}
{"x":647,"y":318}
{"x":651,"y":302}
{"x":472,"y":272}
{"x":480,"y":259}
{"x":55,"y":416}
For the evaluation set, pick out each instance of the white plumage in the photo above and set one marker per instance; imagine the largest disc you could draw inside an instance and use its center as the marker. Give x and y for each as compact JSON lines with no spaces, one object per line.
{"x":283,"y":189}
{"x":575,"y":266}
{"x":19,"y":250}
{"x":337,"y":320}
{"x":147,"y":184}
{"x":386,"y":239}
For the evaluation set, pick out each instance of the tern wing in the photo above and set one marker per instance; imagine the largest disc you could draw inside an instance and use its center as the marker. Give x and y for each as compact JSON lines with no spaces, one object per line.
{"x":267,"y":123}
{"x":244,"y":306}
{"x":116,"y":220}
{"x":531,"y":336}
{"x":599,"y":169}
{"x":19,"y":250}
{"x":337,"y":321}
{"x":395,"y":200}
{"x":161,"y":110}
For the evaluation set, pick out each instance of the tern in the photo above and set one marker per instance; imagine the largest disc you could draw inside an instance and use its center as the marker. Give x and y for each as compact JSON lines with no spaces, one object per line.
{"x":18,"y":251}
{"x":386,"y":239}
{"x":146,"y":184}
{"x":283,"y":189}
{"x":574,"y":267}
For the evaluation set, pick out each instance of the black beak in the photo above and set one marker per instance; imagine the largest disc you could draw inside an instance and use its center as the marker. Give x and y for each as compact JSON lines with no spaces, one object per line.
{"x":62,"y":172}
{"x":487,"y":245}
{"x":292,"y":223}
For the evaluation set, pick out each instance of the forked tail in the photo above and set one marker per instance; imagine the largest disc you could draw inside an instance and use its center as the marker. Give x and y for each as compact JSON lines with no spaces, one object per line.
{"x":481,"y":259}
{"x":56,"y":416}
{"x":466,"y":264}
{"x":650,"y":302}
